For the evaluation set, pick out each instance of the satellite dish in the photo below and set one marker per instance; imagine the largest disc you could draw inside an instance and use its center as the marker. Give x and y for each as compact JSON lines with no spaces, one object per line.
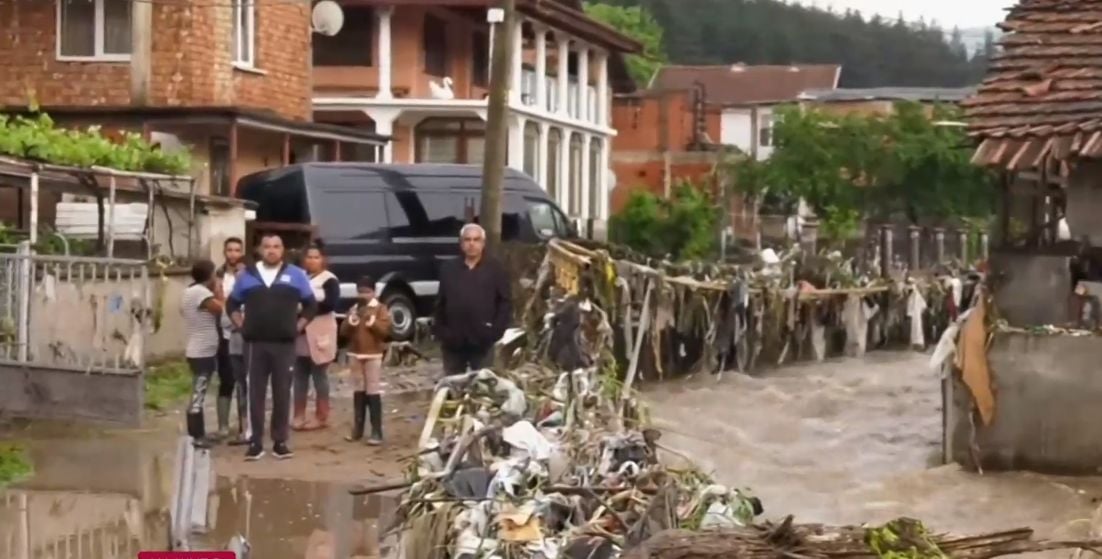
{"x":328,"y":18}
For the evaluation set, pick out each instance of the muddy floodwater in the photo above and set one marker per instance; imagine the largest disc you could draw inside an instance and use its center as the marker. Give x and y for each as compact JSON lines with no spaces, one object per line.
{"x":846,"y":442}
{"x":852,"y":441}
{"x":107,"y":497}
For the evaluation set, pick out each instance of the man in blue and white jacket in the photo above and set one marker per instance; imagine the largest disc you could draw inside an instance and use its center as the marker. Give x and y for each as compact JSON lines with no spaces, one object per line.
{"x":280,"y":302}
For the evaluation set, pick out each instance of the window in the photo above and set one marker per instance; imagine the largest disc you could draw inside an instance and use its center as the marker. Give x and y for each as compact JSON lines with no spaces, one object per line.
{"x":220,"y":179}
{"x":480,"y":60}
{"x":545,"y":219}
{"x":93,"y":29}
{"x":513,"y":211}
{"x":428,"y":214}
{"x":365,"y":153}
{"x":595,"y":191}
{"x":528,"y":86}
{"x":353,"y":45}
{"x":450,"y":140}
{"x":350,"y":215}
{"x":435,"y":45}
{"x":532,"y":150}
{"x":244,"y":33}
{"x":765,"y":131}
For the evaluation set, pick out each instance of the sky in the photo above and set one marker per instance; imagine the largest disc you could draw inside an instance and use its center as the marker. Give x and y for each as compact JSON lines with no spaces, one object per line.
{"x":948,"y":13}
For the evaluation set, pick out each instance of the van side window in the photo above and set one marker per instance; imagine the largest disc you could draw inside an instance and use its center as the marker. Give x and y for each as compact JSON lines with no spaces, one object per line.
{"x":350,"y":215}
{"x":513,"y":209}
{"x":425,"y":214}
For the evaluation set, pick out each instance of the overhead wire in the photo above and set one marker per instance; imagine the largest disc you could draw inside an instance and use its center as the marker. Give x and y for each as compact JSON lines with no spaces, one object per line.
{"x":209,"y":4}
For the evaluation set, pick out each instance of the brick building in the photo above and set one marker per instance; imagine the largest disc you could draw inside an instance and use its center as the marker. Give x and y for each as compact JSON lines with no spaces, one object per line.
{"x":419,"y":72}
{"x":230,"y":79}
{"x":694,"y":117}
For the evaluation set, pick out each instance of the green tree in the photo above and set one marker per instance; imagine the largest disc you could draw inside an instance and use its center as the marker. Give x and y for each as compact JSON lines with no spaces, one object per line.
{"x":638,"y":23}
{"x":907,"y":164}
{"x":874,"y":52}
{"x":682,"y":227}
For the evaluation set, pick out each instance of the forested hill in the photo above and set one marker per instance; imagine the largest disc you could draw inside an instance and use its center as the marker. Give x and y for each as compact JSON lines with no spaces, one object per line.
{"x":873,"y":52}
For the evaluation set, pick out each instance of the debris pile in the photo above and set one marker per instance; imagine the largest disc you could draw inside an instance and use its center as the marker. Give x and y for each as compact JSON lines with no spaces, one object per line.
{"x":556,"y":458}
{"x":671,"y":319}
{"x":534,"y":463}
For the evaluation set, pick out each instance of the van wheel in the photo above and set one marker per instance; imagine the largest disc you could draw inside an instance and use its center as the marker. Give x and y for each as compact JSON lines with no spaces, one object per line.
{"x":403,"y":316}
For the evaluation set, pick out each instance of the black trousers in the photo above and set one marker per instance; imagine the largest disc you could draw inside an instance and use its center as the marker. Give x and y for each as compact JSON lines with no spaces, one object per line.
{"x":226,"y":378}
{"x":270,"y":362}
{"x":461,"y":360}
{"x":202,"y":369}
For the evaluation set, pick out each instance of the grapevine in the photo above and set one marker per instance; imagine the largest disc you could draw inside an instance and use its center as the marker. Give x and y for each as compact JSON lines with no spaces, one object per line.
{"x":36,"y":137}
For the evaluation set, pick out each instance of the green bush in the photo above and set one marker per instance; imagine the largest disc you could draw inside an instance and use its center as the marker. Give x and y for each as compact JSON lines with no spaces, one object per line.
{"x":15,"y":463}
{"x":683,"y":227}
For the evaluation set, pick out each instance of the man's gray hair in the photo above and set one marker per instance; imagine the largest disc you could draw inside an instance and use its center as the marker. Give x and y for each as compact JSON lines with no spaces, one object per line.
{"x":472,"y":227}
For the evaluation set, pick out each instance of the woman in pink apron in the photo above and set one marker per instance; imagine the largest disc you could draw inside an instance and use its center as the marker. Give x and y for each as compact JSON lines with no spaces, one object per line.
{"x":317,"y":345}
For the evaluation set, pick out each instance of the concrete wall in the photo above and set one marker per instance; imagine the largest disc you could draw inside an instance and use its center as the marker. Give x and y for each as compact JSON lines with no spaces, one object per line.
{"x":61,"y":394}
{"x":1047,"y":390}
{"x":1032,"y":289}
{"x":169,"y":335}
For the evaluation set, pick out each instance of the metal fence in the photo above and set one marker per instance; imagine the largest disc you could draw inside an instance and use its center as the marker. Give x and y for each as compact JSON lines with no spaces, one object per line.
{"x":66,"y":312}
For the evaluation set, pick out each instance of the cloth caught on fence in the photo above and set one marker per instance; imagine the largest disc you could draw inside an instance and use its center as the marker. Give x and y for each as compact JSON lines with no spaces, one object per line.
{"x":972,"y":361}
{"x":916,"y":306}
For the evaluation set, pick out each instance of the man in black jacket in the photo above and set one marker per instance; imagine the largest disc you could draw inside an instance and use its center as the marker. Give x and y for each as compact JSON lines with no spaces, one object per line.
{"x":278,"y":301}
{"x":473,"y":307}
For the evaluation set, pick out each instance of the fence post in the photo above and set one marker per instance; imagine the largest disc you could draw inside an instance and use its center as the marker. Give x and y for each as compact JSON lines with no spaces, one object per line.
{"x":983,"y":245}
{"x":915,"y":246}
{"x":887,"y":242}
{"x":939,"y":245}
{"x":962,"y":234}
{"x":24,"y":280}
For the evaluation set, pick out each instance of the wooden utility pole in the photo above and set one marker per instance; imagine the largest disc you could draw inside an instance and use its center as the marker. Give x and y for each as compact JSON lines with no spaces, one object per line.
{"x":141,"y":57}
{"x":497,"y":126}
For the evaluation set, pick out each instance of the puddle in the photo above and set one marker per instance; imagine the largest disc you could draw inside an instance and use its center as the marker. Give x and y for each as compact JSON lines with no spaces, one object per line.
{"x":108,"y":497}
{"x":285,"y":519}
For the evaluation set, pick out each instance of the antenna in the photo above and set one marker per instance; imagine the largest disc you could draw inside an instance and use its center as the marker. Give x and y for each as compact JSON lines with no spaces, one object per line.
{"x":327,"y":17}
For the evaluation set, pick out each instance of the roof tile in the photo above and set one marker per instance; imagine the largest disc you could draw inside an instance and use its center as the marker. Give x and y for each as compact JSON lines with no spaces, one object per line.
{"x":1048,"y":79}
{"x":740,"y":84}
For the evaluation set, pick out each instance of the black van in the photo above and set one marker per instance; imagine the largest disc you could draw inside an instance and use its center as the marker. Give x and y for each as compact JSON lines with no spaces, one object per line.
{"x":396,"y":223}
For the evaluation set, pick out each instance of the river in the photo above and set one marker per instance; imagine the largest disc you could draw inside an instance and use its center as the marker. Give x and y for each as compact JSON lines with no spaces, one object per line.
{"x":850,"y":441}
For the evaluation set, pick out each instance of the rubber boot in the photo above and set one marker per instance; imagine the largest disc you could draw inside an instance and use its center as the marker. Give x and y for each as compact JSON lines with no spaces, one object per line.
{"x":375,"y":409}
{"x":243,"y":431}
{"x":223,"y":409}
{"x":322,"y":413}
{"x":359,"y":409}
{"x":299,"y":421}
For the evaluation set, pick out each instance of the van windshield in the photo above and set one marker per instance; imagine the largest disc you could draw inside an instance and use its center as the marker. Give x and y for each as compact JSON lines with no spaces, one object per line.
{"x":547,"y":221}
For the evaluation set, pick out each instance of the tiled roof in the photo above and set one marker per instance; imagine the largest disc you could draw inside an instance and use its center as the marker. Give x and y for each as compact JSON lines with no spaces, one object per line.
{"x":1043,"y":92}
{"x":740,"y":84}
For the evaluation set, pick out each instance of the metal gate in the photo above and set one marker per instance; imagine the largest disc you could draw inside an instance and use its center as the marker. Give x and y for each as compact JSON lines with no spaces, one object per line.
{"x":67,"y":312}
{"x":61,"y":315}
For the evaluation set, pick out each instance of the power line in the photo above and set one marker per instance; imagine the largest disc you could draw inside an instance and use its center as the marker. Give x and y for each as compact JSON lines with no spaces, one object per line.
{"x":222,"y":4}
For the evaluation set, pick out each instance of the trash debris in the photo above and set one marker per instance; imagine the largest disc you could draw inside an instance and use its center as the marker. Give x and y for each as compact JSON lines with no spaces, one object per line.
{"x":555,"y":457}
